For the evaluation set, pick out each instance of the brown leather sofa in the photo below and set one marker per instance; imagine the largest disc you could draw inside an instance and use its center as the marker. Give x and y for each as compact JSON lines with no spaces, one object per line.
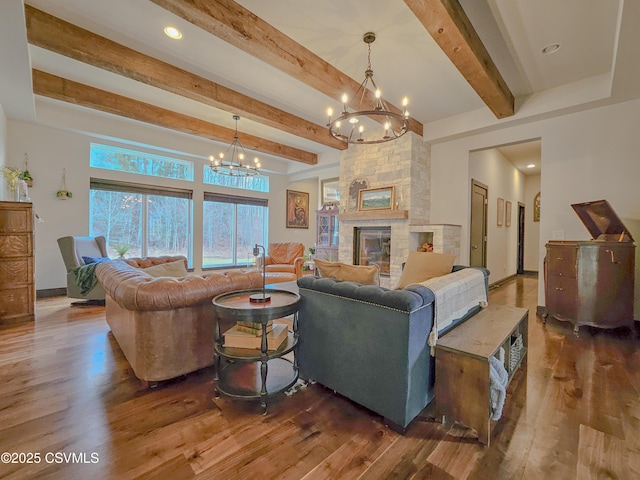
{"x":165,"y":325}
{"x":285,"y":257}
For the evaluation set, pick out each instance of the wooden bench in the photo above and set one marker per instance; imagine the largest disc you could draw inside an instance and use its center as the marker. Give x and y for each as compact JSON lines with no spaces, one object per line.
{"x":462,"y":365}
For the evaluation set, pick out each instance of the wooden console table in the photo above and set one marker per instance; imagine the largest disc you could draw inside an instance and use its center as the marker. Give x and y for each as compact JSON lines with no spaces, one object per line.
{"x":462,"y":365}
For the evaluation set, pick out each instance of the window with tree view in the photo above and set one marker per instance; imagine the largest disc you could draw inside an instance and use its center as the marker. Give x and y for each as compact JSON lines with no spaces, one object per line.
{"x":139,"y":220}
{"x":232,"y":225}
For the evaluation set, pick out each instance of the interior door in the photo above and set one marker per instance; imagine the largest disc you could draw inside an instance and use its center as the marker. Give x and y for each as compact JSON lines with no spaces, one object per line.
{"x":478,"y":240}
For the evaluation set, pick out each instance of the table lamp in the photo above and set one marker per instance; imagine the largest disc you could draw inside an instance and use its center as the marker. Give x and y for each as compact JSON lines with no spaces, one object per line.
{"x":261,"y":297}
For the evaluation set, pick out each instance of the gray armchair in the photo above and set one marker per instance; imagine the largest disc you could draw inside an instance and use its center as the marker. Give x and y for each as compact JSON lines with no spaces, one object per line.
{"x":72,"y":250}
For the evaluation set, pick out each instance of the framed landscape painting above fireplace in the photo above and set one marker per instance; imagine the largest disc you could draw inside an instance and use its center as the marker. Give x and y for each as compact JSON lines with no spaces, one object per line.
{"x":376,"y":198}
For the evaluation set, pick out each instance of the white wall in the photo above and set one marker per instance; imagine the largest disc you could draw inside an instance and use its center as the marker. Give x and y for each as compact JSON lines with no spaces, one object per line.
{"x":586,"y":156}
{"x":50,"y":150}
{"x":491,"y":168}
{"x":3,"y":148}
{"x":531,"y":228}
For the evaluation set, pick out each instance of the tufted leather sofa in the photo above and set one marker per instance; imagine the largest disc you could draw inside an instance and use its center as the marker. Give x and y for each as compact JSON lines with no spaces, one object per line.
{"x":165,"y":325}
{"x":285,"y":257}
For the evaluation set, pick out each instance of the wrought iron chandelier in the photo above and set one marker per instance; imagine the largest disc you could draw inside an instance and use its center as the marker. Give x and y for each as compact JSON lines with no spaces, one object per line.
{"x":349,"y":126}
{"x":235,"y":165}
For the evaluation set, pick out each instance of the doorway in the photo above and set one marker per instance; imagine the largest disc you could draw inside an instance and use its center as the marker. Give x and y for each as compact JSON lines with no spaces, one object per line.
{"x":478,"y":240}
{"x":520,"y":238}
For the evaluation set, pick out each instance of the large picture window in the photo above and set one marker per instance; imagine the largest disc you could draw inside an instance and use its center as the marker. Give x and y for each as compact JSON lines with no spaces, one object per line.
{"x":232,"y":225}
{"x":141,"y":220}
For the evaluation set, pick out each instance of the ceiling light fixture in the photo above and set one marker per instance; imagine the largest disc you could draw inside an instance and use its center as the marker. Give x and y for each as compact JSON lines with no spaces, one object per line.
{"x":235,"y":166}
{"x":349,"y":126}
{"x":554,"y":47}
{"x":173,"y":32}
{"x":531,"y":165}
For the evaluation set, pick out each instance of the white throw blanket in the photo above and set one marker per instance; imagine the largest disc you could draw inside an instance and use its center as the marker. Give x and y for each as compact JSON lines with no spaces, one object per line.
{"x":456,"y":293}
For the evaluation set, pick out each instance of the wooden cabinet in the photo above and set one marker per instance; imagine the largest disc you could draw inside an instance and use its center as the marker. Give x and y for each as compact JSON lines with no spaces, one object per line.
{"x":463,"y":392}
{"x":17,"y":285}
{"x":327,"y":233}
{"x":592,"y":282}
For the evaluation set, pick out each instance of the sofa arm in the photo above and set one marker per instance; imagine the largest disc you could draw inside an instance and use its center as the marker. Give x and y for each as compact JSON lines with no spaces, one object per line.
{"x":297,"y":264}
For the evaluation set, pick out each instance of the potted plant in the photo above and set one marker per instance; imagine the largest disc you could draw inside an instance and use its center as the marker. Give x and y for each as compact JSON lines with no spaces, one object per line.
{"x":121,"y":250}
{"x":63,"y":193}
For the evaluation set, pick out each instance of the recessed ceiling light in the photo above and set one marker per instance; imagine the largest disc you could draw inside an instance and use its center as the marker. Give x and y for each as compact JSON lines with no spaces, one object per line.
{"x":531,"y":165}
{"x":554,"y":47}
{"x":173,"y":32}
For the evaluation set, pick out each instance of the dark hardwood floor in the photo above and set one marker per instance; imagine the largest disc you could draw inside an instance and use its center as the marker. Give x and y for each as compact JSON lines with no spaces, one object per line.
{"x":67,"y":393}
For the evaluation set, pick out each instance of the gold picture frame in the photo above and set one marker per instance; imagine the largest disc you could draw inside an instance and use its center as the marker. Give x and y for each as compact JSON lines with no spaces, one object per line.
{"x":297,"y":209}
{"x":330,"y":190}
{"x":376,"y":199}
{"x":507,"y":214}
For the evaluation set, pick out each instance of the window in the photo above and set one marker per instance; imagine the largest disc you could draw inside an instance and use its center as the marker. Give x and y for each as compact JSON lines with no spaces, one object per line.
{"x":141,"y":220}
{"x":131,"y":161}
{"x":231,"y":226}
{"x":259,"y":183}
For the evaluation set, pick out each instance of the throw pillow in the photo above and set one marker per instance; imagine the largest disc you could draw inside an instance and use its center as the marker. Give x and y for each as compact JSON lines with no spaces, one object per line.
{"x":363,"y":274}
{"x":170,"y":269}
{"x":422,"y":266}
{"x":88,"y":260}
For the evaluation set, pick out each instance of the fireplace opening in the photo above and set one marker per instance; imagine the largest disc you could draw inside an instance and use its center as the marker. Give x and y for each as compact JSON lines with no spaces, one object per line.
{"x":372,"y":246}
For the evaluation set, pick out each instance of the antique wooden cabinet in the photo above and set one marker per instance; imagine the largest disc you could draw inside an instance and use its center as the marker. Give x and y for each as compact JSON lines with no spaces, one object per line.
{"x":592,"y":282}
{"x":327,"y":234}
{"x":17,"y":285}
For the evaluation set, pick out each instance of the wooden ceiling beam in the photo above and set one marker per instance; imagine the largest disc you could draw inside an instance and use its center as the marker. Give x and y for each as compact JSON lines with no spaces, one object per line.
{"x":56,"y":35}
{"x":239,"y":27}
{"x":450,"y":27}
{"x":69,"y":91}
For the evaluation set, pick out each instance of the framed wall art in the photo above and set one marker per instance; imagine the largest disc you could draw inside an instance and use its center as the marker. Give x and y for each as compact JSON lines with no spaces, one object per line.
{"x":330,"y":190}
{"x":376,"y":198}
{"x":536,"y":208}
{"x":500,"y":211}
{"x":507,"y":214}
{"x":297,"y":209}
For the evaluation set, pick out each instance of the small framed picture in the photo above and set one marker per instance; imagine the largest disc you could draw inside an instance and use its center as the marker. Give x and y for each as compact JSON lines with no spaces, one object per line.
{"x":500,"y":211}
{"x":507,"y":214}
{"x":330,"y":190}
{"x":376,"y":198}
{"x":297,"y":209}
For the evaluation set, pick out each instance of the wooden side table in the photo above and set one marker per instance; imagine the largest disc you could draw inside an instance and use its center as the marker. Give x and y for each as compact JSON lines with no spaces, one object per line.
{"x":248,"y":373}
{"x":462,"y":365}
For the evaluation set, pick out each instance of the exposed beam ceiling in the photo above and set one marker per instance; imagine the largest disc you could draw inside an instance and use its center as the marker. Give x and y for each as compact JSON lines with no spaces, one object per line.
{"x":450,"y":27}
{"x":66,"y":90}
{"x":61,"y":37}
{"x":236,"y":25}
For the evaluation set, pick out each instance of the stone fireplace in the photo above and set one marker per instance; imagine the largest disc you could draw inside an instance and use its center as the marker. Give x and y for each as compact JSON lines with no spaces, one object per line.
{"x":372,"y":246}
{"x":404,"y":164}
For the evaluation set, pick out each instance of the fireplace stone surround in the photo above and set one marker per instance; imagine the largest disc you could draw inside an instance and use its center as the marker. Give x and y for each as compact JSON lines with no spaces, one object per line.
{"x":405,"y":164}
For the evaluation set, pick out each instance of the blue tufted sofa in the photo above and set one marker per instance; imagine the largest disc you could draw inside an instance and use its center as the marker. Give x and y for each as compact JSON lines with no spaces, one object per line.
{"x":369,"y":344}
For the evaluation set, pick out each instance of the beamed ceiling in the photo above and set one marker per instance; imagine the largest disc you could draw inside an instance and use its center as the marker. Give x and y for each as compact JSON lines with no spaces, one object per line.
{"x":280,"y":64}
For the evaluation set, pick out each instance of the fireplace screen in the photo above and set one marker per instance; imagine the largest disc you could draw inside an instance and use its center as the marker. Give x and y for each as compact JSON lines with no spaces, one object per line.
{"x":372,"y":246}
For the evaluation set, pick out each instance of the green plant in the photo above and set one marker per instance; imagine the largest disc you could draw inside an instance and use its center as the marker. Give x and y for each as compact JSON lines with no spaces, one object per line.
{"x":121,"y":250}
{"x":312,"y":250}
{"x":64,"y":194}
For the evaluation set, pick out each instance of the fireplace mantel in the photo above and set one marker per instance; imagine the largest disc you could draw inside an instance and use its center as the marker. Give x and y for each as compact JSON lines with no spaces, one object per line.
{"x":374,"y":215}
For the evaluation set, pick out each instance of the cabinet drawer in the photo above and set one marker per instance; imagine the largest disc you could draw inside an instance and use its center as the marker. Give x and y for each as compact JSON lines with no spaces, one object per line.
{"x":561,"y":260}
{"x":15,"y":245}
{"x":15,"y":218}
{"x":561,"y":296}
{"x":16,"y":272}
{"x":16,"y":302}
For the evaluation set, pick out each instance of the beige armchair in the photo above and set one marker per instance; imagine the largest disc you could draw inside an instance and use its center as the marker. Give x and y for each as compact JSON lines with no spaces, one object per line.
{"x":72,"y":250}
{"x":285,"y":257}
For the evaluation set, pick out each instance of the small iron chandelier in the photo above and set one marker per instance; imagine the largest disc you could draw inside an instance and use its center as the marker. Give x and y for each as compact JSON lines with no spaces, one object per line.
{"x":235,"y":166}
{"x":348,"y":126}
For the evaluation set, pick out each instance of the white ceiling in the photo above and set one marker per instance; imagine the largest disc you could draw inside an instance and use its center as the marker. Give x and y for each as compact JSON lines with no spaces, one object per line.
{"x":405,"y":59}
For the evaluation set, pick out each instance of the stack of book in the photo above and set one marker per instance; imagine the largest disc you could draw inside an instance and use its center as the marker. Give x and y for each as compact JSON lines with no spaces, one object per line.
{"x":249,"y":335}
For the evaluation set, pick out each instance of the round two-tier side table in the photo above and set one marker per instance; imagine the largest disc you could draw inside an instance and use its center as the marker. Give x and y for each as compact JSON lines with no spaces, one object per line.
{"x":255,"y":373}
